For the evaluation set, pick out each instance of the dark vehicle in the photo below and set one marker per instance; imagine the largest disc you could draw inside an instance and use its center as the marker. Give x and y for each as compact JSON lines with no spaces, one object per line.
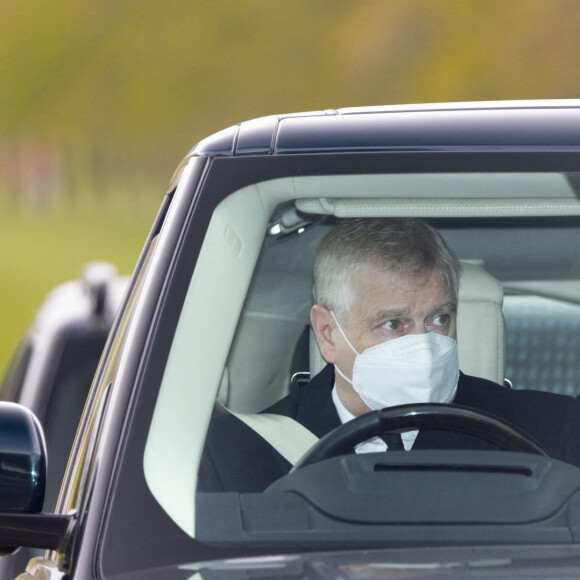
{"x":53,"y":368}
{"x":215,"y":320}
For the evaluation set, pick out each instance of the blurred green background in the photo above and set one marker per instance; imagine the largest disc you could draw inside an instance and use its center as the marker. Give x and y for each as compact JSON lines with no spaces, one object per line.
{"x":100,"y":100}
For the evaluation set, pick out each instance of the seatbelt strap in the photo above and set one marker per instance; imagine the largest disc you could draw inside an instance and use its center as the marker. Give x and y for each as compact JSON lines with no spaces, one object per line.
{"x":288,"y":437}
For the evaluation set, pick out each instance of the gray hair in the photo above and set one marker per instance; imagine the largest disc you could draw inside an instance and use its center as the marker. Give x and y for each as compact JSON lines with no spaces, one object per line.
{"x":404,"y":246}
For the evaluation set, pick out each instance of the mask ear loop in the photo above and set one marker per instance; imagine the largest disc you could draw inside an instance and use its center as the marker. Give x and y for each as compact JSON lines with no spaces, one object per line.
{"x":342,"y":332}
{"x":347,"y":342}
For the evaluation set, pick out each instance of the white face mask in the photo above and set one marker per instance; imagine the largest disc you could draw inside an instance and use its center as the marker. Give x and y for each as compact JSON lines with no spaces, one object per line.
{"x":415,"y":368}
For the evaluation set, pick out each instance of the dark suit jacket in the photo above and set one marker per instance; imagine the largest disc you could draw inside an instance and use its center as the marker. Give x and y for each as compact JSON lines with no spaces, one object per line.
{"x":238,"y":459}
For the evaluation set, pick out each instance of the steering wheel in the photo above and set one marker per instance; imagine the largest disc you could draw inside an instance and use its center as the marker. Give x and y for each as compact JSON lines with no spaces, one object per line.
{"x":484,"y":425}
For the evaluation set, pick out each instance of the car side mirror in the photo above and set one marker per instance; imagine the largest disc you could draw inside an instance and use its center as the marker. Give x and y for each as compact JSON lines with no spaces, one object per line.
{"x":22,"y":460}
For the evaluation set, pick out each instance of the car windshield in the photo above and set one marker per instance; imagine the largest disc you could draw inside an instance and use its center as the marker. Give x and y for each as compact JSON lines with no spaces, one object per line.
{"x":244,"y":341}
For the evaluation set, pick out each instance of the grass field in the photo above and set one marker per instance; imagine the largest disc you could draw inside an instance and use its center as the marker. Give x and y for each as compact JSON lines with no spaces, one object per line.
{"x":43,"y":247}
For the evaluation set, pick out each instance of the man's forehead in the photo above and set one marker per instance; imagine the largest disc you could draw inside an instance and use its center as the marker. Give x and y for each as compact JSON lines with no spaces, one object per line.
{"x":378,"y":276}
{"x":395,"y":294}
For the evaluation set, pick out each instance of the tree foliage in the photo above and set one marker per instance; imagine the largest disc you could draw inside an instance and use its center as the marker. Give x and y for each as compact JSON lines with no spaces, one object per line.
{"x":158,"y":76}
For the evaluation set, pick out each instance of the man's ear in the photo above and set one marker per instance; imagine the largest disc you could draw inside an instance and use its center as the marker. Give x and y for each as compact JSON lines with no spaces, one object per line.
{"x":323,"y":324}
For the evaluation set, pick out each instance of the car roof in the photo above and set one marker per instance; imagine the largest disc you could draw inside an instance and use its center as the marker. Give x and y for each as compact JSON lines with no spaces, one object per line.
{"x":547,"y":123}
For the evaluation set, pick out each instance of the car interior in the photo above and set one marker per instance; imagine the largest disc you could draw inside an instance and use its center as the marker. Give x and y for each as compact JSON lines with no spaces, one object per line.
{"x":243,"y":339}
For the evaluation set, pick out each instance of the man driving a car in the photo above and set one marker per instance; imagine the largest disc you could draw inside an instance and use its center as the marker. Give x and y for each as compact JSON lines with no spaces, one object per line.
{"x":385,"y":322}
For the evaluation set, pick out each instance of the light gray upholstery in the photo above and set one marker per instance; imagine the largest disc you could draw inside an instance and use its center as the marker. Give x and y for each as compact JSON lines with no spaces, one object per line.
{"x":542,"y":344}
{"x":480,"y":325}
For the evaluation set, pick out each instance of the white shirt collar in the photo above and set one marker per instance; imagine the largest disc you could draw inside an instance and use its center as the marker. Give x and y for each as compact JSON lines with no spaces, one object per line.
{"x":375,"y":444}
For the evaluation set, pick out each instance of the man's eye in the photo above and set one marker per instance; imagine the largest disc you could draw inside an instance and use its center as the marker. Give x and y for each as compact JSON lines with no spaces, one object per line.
{"x":392,"y":324}
{"x":441,"y":320}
